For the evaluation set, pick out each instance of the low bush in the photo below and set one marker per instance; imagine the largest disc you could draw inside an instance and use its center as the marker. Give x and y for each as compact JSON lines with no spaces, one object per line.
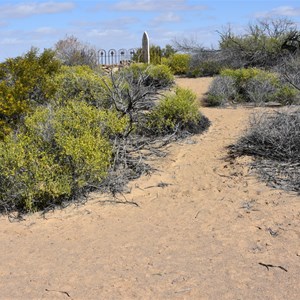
{"x":205,"y":68}
{"x":251,"y":85}
{"x":80,"y":83}
{"x":221,"y":91}
{"x":289,"y":71}
{"x":241,"y":76}
{"x":156,"y":76}
{"x":177,"y":111}
{"x":178,"y":63}
{"x":274,"y":140}
{"x":159,"y":76}
{"x":57,"y":154}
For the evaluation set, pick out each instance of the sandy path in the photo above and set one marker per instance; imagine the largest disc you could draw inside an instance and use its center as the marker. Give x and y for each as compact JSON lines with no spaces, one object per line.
{"x":201,"y":237}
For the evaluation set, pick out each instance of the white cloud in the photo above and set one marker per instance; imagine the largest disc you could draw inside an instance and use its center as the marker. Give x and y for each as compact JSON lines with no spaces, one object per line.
{"x":121,"y":22}
{"x":46,"y":30}
{"x":10,"y":41}
{"x":150,"y":5}
{"x":166,"y":18}
{"x":104,"y":33}
{"x":284,"y":11}
{"x":23,"y":10}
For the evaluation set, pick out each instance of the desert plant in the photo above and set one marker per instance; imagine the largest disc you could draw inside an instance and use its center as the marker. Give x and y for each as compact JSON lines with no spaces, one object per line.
{"x":56,"y":155}
{"x":221,"y":91}
{"x":273,"y":139}
{"x":257,"y":86}
{"x":80,"y":83}
{"x":264,"y":44}
{"x":156,"y":54}
{"x":178,"y":63}
{"x":24,"y":85}
{"x":289,"y":71}
{"x":159,"y":76}
{"x":156,"y":76}
{"x":175,"y":111}
{"x":205,"y":68}
{"x":168,"y":51}
{"x":258,"y":91}
{"x":71,"y":52}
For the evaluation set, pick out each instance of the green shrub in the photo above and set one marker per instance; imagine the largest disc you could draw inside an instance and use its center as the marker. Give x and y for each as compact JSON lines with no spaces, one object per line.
{"x":157,"y":76}
{"x":24,"y":85}
{"x":242,"y":75}
{"x":205,"y":68}
{"x":155,"y":55}
{"x":178,"y":63}
{"x":160,"y":76}
{"x":80,"y":83}
{"x":286,"y":95}
{"x":176,"y":110}
{"x":250,"y":85}
{"x":56,"y":155}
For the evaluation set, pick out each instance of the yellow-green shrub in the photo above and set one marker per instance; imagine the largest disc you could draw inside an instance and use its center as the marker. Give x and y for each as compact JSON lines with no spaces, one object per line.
{"x":24,"y":84}
{"x":256,"y":85}
{"x":176,"y":109}
{"x":80,"y":83}
{"x":158,"y":76}
{"x":56,"y":154}
{"x":178,"y":63}
{"x":242,"y":75}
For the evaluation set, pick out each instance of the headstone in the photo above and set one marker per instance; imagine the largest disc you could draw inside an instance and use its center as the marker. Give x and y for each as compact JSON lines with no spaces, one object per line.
{"x":146,"y":48}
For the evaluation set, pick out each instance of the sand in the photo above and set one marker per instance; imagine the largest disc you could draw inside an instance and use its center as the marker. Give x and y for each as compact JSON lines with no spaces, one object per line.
{"x":208,"y":232}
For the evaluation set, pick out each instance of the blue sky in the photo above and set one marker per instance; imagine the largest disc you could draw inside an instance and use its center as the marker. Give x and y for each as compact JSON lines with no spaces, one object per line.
{"x":121,"y":23}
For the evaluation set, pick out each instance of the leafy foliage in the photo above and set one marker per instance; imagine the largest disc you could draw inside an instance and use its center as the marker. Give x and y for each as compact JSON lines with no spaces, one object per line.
{"x":177,"y":110}
{"x":24,"y":85}
{"x":85,"y":130}
{"x":204,"y":68}
{"x":250,"y":85}
{"x":264,"y":45}
{"x":56,"y":154}
{"x":80,"y":83}
{"x":178,"y":63}
{"x":156,"y":76}
{"x":156,"y":54}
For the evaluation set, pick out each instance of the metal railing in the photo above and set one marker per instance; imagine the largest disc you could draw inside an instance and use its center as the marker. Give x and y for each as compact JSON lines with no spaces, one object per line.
{"x":114,"y":57}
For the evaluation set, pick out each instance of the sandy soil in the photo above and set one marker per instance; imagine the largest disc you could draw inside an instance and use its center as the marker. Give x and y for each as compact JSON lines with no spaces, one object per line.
{"x":208,"y":232}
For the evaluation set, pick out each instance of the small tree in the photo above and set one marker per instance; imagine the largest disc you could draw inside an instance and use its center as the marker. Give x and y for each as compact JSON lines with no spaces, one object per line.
{"x":156,"y":54}
{"x":24,"y":84}
{"x":72,"y":52}
{"x":168,"y":51}
{"x":264,"y":44}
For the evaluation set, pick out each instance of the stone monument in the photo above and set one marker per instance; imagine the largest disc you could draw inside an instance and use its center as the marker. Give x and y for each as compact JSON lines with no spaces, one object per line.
{"x":146,"y":48}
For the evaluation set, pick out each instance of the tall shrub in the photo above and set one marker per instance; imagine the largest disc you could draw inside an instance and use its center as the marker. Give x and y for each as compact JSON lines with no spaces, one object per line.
{"x":24,"y":84}
{"x":80,"y":83}
{"x":56,"y":154}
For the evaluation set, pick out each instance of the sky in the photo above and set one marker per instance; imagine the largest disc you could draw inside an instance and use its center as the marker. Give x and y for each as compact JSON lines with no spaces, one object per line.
{"x":120,"y":23}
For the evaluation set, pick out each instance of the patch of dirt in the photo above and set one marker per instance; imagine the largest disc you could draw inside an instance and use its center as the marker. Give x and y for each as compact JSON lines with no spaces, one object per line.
{"x":204,"y":228}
